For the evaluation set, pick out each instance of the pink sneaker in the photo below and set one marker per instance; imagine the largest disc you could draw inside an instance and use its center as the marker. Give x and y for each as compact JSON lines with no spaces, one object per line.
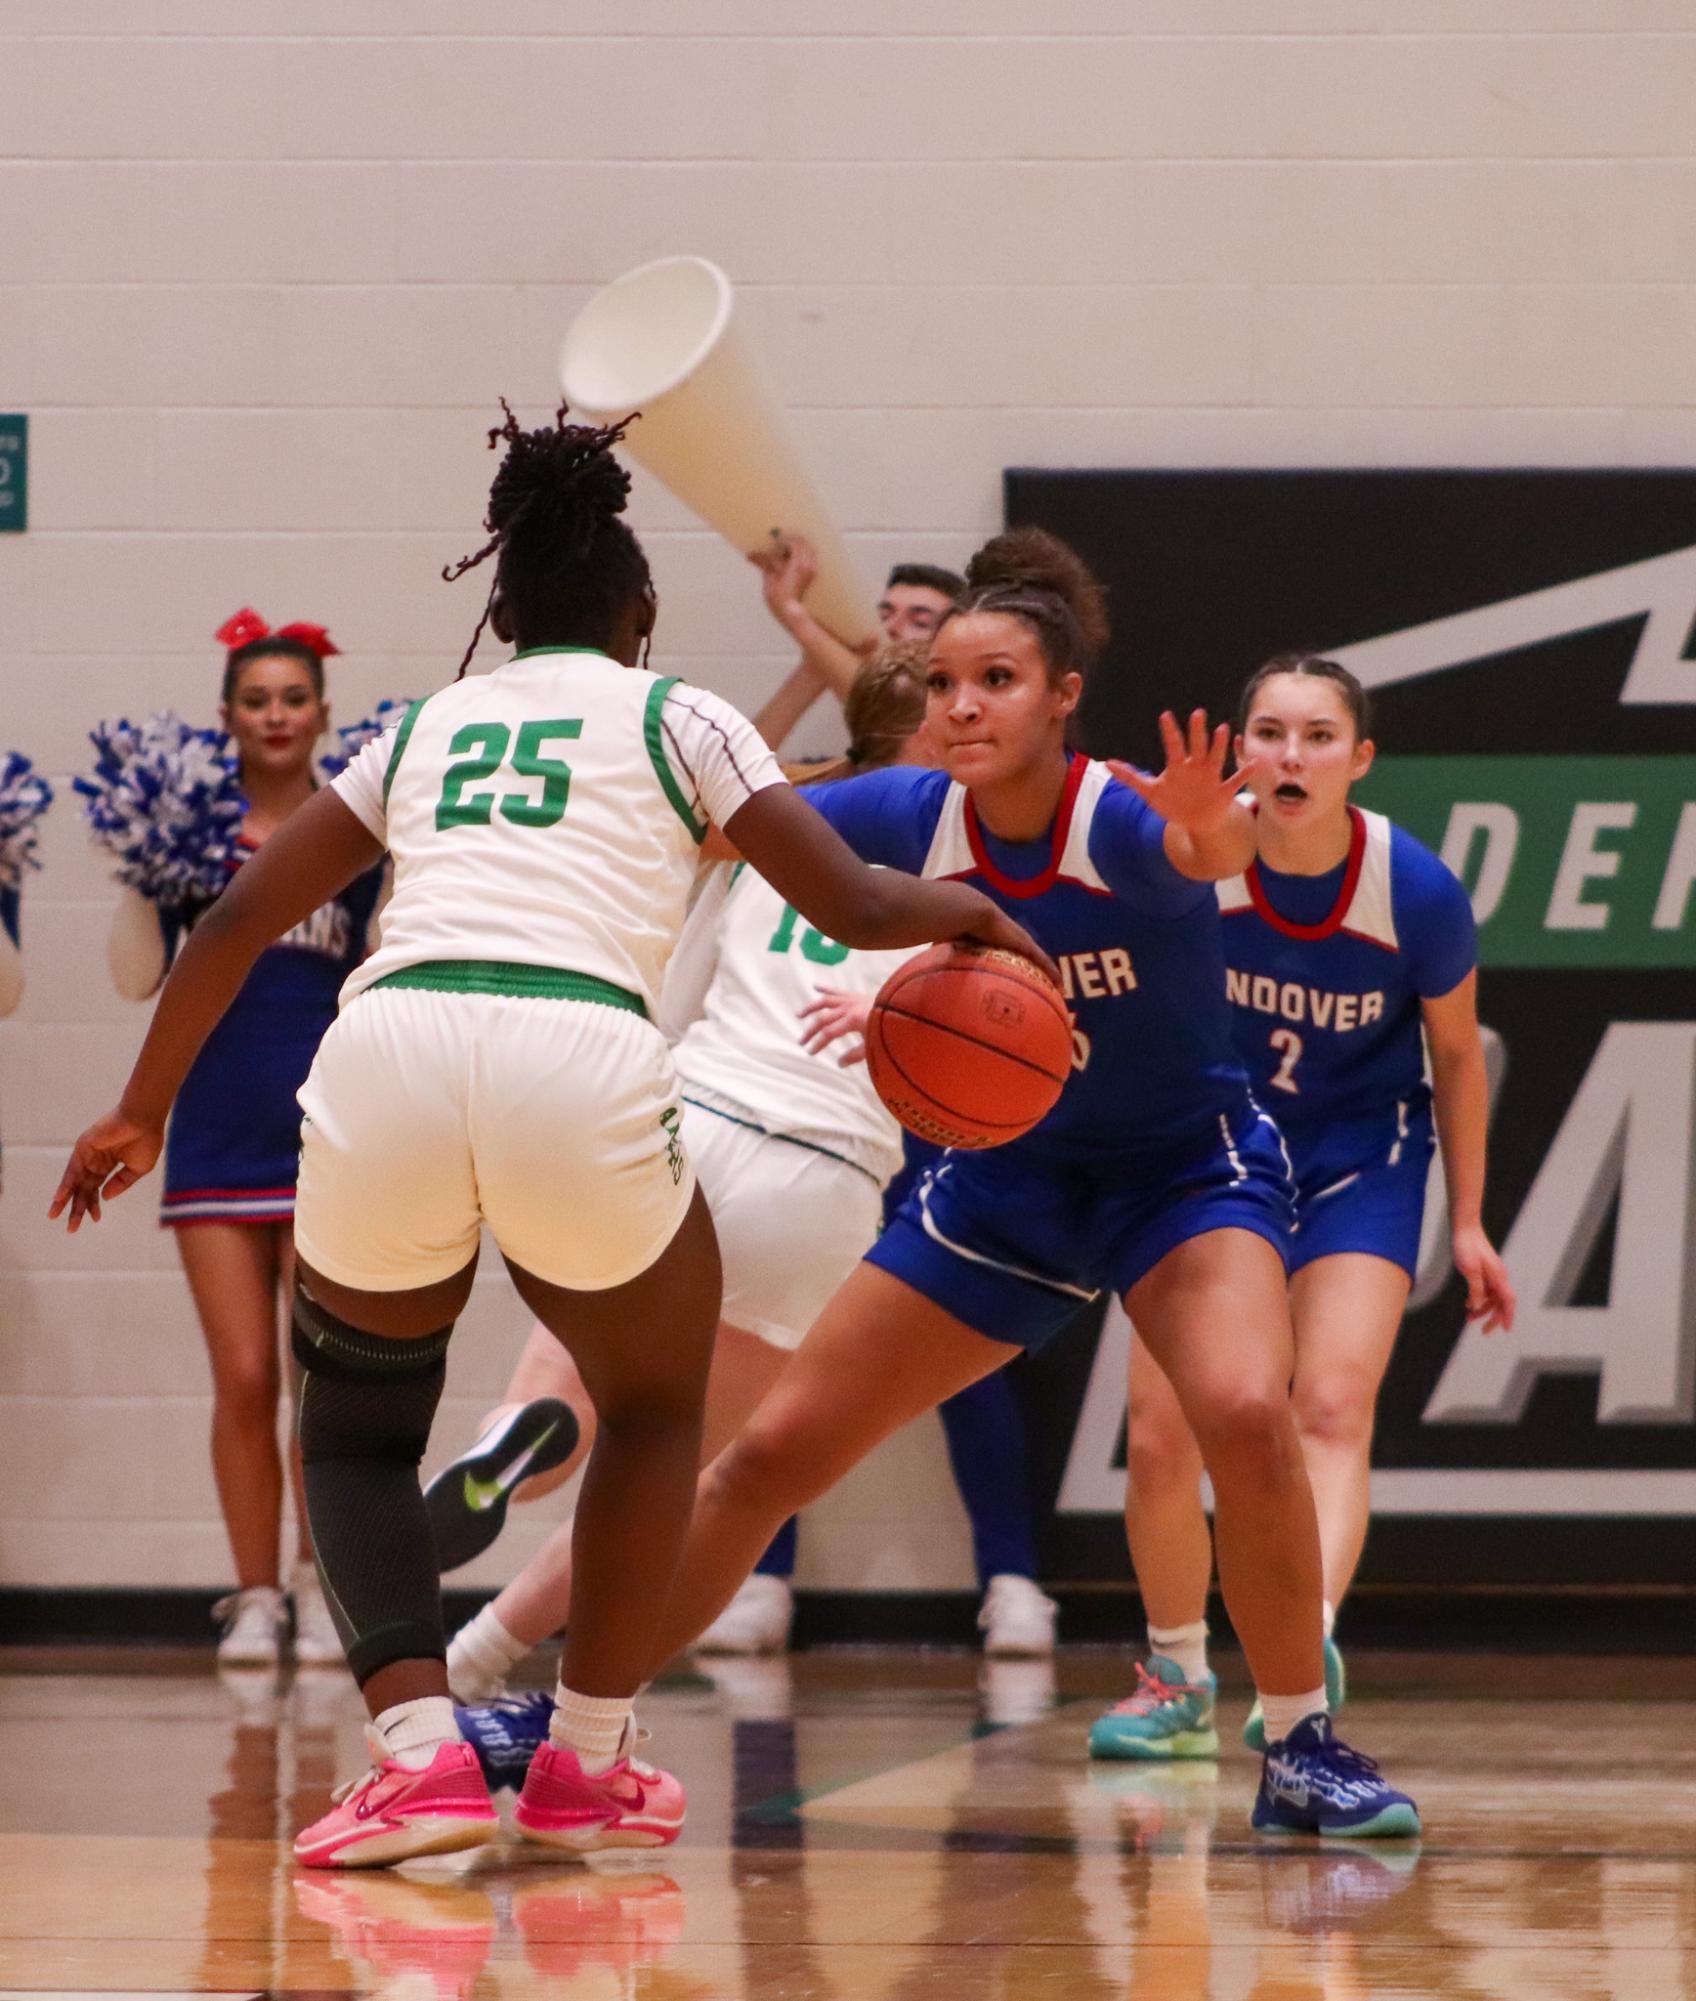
{"x":391,"y":1814}
{"x":629,"y":1805}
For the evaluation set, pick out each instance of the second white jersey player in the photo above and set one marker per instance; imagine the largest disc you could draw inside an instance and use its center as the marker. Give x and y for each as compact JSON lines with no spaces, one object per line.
{"x":792,"y":1149}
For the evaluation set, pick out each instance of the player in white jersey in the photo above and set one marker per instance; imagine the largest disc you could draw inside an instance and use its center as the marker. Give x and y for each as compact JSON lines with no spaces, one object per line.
{"x":496,"y":1062}
{"x":792,"y":1149}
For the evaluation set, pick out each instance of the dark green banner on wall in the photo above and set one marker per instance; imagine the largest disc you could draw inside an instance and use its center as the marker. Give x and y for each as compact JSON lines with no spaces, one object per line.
{"x":14,"y":474}
{"x":1571,"y":861}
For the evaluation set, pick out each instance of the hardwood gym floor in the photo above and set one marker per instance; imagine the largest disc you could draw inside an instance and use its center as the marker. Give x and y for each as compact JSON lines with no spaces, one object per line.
{"x":867,"y":1824}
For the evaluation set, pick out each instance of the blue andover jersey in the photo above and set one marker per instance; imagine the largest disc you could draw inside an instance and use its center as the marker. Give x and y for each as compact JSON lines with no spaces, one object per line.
{"x":1155,"y":1139}
{"x":1325,"y":976}
{"x":234,"y":1141}
{"x":1137,"y":943}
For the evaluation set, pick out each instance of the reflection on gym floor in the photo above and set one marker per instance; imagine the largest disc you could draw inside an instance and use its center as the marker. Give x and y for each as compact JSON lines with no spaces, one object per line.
{"x":896,"y":1825}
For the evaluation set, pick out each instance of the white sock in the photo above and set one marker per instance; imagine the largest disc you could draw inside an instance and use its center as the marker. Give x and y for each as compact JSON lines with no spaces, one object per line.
{"x":413,"y":1732}
{"x":1284,"y":1712}
{"x":1330,"y":1618}
{"x":591,"y":1725}
{"x":481,"y":1656}
{"x":1187,"y":1645}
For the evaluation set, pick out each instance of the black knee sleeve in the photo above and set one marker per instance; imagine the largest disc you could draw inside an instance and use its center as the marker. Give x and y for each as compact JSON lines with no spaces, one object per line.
{"x":366,"y":1406}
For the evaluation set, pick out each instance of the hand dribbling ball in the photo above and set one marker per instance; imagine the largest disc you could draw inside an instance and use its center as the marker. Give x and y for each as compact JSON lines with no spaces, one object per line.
{"x":969,"y":1046}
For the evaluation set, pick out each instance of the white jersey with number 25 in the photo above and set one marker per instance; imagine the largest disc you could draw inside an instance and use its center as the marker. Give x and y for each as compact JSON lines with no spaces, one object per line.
{"x":550,"y":814}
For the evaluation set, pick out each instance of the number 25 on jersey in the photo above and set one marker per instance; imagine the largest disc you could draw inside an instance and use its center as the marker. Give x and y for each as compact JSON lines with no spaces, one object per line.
{"x":487,"y":745}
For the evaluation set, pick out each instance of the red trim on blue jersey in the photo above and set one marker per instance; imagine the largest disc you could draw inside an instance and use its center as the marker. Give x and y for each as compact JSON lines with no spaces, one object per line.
{"x":1036,"y":885}
{"x":1332,"y":921}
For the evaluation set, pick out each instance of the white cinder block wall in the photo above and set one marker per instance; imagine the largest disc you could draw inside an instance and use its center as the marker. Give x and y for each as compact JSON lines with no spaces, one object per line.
{"x":264,"y":270}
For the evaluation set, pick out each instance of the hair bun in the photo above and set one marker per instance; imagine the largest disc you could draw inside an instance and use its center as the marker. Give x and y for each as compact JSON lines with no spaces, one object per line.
{"x":1032,"y":559}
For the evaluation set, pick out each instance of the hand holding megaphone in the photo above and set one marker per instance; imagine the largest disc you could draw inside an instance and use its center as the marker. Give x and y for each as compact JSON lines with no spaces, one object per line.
{"x":665,"y":340}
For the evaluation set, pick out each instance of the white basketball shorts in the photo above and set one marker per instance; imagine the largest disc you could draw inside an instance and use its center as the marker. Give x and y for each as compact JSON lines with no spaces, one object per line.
{"x":554,"y":1121}
{"x":792,"y":1222}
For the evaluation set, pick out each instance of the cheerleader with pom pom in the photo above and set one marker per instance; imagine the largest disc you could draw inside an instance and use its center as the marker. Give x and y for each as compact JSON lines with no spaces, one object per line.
{"x":182,"y":809}
{"x":24,"y":797}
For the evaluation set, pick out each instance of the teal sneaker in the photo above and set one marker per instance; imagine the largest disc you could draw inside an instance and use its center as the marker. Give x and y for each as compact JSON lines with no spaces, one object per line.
{"x":1165,"y":1716}
{"x":1336,"y":1687}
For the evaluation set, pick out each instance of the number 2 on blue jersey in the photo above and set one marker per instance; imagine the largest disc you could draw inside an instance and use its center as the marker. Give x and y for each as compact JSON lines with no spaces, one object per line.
{"x":1288,"y":1043}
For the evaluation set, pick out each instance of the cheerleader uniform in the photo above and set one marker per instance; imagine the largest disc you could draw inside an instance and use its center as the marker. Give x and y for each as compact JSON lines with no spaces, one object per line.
{"x":233,"y":1150}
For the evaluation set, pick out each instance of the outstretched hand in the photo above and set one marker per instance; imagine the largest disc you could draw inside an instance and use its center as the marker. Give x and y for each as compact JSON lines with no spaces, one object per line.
{"x":112,"y":1155}
{"x":1194,"y":791}
{"x":787,"y":566}
{"x":831,"y":1016}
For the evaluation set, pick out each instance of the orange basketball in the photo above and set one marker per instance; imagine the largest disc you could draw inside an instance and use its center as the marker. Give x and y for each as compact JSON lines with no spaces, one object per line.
{"x":969,"y":1046}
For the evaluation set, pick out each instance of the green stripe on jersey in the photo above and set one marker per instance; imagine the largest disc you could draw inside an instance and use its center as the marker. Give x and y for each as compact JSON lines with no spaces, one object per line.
{"x":517,"y":982}
{"x":662,"y":767}
{"x":396,"y":754}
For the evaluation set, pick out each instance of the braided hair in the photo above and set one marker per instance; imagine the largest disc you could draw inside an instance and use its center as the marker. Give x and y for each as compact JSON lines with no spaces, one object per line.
{"x":1035,"y":577}
{"x":885,"y":705}
{"x":883,"y":709}
{"x":567,"y":568}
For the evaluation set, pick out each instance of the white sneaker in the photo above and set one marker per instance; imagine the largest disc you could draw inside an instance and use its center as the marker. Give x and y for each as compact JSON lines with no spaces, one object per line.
{"x":1016,"y":1691}
{"x":253,"y":1622}
{"x":316,"y":1641}
{"x":1017,"y":1620}
{"x":756,"y":1621}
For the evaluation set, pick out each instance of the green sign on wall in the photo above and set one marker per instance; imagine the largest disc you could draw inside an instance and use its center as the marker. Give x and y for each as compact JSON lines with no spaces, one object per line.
{"x":14,"y":475}
{"x":1571,"y":861}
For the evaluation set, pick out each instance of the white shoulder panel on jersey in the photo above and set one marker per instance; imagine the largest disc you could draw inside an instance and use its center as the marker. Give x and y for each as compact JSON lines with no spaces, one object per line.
{"x":1075,"y":864}
{"x":950,"y":849}
{"x":1371,"y":912}
{"x":1233,"y":894}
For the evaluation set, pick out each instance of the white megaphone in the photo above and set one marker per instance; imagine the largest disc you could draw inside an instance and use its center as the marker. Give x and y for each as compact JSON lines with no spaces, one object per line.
{"x":664,"y":339}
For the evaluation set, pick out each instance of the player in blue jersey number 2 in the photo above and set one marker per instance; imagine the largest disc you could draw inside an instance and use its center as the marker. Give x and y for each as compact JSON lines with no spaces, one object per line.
{"x":1155,"y":1174}
{"x":1343,"y":940}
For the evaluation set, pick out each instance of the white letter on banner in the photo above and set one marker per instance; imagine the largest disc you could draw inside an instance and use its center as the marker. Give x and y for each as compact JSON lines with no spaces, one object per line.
{"x":1500,"y":827}
{"x":1581,"y":860}
{"x":1674,"y":899}
{"x":1628,"y":1132}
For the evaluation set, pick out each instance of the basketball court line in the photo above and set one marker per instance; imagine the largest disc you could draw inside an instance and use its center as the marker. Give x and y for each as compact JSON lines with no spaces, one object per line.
{"x":794,"y":1803}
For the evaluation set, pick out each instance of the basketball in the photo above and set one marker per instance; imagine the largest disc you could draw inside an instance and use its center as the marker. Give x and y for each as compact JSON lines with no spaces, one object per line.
{"x":968,"y":1046}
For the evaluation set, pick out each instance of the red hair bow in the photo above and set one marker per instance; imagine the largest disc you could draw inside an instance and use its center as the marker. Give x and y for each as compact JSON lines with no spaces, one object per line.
{"x":247,"y":626}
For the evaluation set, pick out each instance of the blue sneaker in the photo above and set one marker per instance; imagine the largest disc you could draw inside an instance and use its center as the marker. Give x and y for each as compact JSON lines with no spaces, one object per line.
{"x":506,"y":1734}
{"x":1165,"y":1716}
{"x":1336,"y":1688}
{"x":1312,"y":1783}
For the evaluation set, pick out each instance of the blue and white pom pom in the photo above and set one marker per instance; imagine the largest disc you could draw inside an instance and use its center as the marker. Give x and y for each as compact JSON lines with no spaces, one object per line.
{"x":352,"y":740}
{"x":24,"y":796}
{"x":166,"y":801}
